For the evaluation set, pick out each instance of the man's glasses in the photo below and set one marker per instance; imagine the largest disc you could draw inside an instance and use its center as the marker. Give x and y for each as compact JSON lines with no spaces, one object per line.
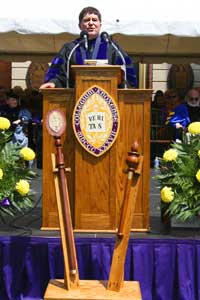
{"x":194,"y":98}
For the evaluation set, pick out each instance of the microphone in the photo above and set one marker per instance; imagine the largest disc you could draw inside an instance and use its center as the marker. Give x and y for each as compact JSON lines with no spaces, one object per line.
{"x":84,"y":36}
{"x":84,"y":39}
{"x":69,"y":58}
{"x":105,"y":36}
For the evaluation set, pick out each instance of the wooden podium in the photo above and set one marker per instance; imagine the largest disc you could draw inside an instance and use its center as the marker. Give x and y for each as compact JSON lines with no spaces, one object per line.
{"x":96,"y":184}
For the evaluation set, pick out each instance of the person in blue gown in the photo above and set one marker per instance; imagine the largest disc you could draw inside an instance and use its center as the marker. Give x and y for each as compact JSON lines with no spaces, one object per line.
{"x":185,"y":113}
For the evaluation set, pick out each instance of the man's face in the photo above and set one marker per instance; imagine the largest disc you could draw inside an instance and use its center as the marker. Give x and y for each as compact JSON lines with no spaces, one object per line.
{"x":91,"y":24}
{"x":193,"y":98}
{"x":172,"y":101}
{"x":11,"y":102}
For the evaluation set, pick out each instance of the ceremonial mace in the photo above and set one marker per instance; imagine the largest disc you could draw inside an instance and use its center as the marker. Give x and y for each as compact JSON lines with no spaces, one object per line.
{"x":56,"y":125}
{"x":134,"y":169}
{"x":85,"y":289}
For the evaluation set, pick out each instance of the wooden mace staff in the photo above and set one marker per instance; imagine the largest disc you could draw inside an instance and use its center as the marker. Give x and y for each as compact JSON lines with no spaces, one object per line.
{"x":56,"y":125}
{"x":65,"y":206}
{"x":134,"y":162}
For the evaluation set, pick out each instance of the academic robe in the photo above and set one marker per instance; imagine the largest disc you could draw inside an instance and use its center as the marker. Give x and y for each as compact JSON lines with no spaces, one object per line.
{"x":97,"y":49}
{"x":183,"y":114}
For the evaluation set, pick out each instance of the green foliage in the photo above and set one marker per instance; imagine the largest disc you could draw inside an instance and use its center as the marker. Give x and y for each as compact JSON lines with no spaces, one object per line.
{"x":5,"y":136}
{"x":180,"y":175}
{"x":14,"y":169}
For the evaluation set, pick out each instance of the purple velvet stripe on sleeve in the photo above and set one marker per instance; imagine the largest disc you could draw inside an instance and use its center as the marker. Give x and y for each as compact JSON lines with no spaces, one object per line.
{"x":51,"y":73}
{"x":54,"y":68}
{"x":57,"y":61}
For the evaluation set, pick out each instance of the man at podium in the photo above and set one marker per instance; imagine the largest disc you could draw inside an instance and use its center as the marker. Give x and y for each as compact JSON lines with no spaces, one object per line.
{"x":90,"y":46}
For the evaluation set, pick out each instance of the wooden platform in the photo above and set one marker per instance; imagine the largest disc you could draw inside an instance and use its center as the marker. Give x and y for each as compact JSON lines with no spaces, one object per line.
{"x":92,"y":289}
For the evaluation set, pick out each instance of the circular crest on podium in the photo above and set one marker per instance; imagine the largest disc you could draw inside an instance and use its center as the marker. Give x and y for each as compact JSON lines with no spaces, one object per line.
{"x":96,"y":120}
{"x":55,"y":122}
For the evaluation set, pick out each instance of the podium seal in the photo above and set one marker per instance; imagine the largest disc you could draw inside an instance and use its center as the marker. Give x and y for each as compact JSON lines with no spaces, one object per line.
{"x":55,"y":122}
{"x":96,"y":120}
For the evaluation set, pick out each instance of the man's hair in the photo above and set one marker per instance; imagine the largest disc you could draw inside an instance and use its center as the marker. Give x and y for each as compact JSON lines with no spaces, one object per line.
{"x":89,"y":10}
{"x":11,"y":94}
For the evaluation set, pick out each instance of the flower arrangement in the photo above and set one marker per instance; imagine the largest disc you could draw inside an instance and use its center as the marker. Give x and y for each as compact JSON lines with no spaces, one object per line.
{"x":15,"y":176}
{"x":179,"y":176}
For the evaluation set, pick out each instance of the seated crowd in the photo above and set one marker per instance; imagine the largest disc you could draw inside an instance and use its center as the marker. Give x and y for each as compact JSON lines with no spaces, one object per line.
{"x":24,"y":110}
{"x":174,"y":113}
{"x":170,"y":116}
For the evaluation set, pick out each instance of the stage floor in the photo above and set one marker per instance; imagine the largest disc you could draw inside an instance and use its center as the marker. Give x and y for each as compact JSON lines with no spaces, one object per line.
{"x":30,"y":224}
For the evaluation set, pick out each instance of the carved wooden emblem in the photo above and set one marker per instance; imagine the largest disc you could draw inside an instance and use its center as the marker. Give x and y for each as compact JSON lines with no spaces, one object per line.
{"x":181,"y":78}
{"x":35,"y":74}
{"x":96,"y":120}
{"x":55,"y":122}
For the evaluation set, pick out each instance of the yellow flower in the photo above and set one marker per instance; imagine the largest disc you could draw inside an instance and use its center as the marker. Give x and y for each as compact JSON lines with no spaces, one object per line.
{"x":4,"y":123}
{"x":199,"y":153}
{"x":170,"y":155}
{"x":27,"y":153}
{"x":1,"y":173}
{"x":194,"y":128}
{"x":22,"y":186}
{"x":167,"y":195}
{"x":198,"y":175}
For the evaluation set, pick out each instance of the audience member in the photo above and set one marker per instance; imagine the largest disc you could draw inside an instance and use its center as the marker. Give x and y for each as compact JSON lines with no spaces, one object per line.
{"x":185,"y":113}
{"x":159,"y":99}
{"x":18,"y":90}
{"x":172,"y":99}
{"x":158,"y":110}
{"x":17,"y":116}
{"x":11,"y":107}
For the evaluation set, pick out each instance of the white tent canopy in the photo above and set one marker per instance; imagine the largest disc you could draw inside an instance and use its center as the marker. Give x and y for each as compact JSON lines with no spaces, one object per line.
{"x":150,"y":30}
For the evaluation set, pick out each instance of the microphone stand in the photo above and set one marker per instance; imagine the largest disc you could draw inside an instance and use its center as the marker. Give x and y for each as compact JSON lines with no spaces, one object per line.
{"x":68,"y":61}
{"x":123,"y":60}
